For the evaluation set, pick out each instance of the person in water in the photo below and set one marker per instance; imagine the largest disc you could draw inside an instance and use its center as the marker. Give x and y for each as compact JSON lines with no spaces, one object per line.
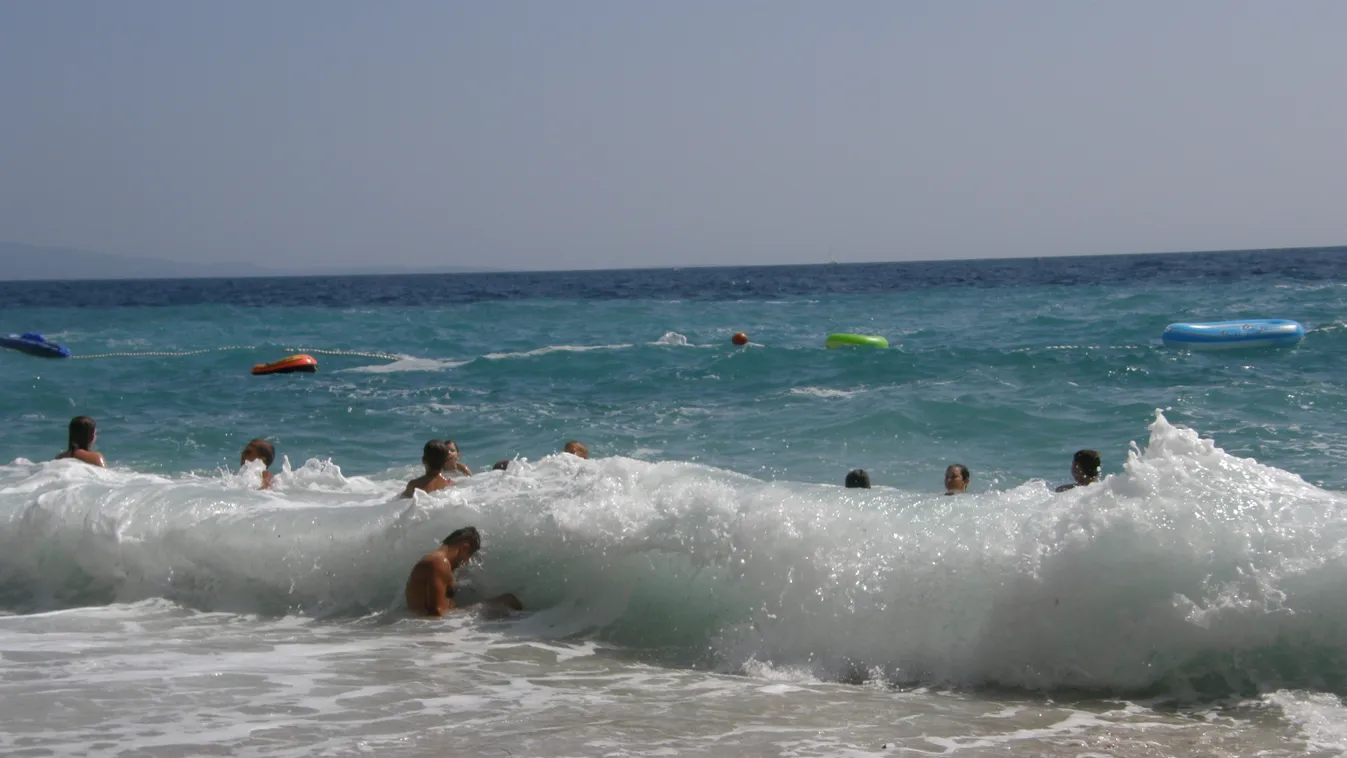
{"x":501,"y":464}
{"x":858,"y":479}
{"x":576,"y":448}
{"x":956,"y":479}
{"x":431,"y":590}
{"x":80,"y":442}
{"x":435,"y":457}
{"x":1085,"y":467}
{"x":260,"y":449}
{"x":455,"y":465}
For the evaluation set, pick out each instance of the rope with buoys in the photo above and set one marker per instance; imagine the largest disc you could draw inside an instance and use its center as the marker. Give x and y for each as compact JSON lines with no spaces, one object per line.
{"x":165,"y":354}
{"x":161,"y":353}
{"x":378,"y":356}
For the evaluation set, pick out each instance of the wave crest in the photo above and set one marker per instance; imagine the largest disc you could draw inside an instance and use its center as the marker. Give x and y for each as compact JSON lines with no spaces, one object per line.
{"x":1191,"y":571}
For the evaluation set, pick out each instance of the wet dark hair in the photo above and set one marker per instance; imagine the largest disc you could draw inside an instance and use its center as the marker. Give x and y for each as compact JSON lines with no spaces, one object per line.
{"x":265,"y":450}
{"x":963,"y":471}
{"x":1089,"y":462}
{"x":467,"y":534}
{"x":858,"y":479}
{"x":81,"y":436}
{"x":501,"y":465}
{"x":435,"y":455}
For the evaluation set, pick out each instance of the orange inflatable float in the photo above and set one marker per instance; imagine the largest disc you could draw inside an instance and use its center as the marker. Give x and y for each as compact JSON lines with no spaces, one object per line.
{"x":294,"y":364}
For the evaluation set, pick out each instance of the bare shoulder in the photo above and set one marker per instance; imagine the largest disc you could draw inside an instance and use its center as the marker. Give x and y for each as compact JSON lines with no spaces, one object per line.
{"x":433,"y":558}
{"x":414,"y":485}
{"x":436,"y":483}
{"x":84,"y":456}
{"x":434,"y":563}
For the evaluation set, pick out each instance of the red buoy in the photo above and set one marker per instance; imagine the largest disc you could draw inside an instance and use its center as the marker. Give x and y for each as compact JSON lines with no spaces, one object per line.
{"x":296,"y":363}
{"x":739,"y":338}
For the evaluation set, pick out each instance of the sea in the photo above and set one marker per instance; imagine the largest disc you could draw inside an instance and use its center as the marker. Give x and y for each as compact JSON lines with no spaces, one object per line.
{"x":703,"y":584}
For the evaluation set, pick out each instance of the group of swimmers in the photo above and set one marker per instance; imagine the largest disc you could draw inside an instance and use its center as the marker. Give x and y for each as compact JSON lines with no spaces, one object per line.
{"x":440,"y":457}
{"x":430,"y":589}
{"x":1085,"y":467}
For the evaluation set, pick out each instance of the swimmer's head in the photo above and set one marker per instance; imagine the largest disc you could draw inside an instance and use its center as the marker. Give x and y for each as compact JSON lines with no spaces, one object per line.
{"x":576,"y":448}
{"x":259,"y":449}
{"x":83,"y":432}
{"x":453,"y":447}
{"x":435,"y":455}
{"x":466,"y":537}
{"x":501,"y":465}
{"x":858,"y":479}
{"x":956,"y":478}
{"x":1085,"y":466}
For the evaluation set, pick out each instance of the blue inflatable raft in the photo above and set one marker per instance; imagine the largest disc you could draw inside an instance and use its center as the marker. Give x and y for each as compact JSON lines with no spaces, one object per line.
{"x":34,"y":344}
{"x":1226,"y":335}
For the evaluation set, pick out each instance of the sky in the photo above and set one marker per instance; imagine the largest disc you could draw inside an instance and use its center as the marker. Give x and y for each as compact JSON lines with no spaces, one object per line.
{"x":533,"y":134}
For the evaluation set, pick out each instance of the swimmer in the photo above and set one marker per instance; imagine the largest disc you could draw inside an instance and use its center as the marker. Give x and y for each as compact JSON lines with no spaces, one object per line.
{"x":430,"y":588}
{"x":1084,"y":469}
{"x":501,"y":465}
{"x":80,"y":442}
{"x":435,"y":456}
{"x":956,"y":479}
{"x":576,"y":448}
{"x":455,"y":465}
{"x":259,"y":449}
{"x":858,"y":479}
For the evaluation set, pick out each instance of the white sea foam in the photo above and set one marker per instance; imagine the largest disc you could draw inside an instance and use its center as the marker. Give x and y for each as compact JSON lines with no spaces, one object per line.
{"x":1191,"y":567}
{"x":553,"y":349}
{"x":672,"y":338}
{"x":404,"y":364}
{"x":824,"y":392}
{"x":1320,"y":716}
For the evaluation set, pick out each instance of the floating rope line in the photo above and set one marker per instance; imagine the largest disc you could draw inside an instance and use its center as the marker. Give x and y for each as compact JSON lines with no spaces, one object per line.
{"x":163,"y":354}
{"x":378,"y":356}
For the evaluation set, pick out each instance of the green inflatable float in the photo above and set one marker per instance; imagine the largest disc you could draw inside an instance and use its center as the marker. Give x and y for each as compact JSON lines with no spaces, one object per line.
{"x":842,"y":339}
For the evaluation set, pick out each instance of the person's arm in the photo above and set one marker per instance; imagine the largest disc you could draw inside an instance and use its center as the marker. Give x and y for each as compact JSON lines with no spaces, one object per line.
{"x":438,"y":599}
{"x":462,"y":468}
{"x":411,"y":489}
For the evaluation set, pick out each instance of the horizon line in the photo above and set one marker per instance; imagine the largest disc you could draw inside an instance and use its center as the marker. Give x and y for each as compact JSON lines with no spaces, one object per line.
{"x":662,"y":267}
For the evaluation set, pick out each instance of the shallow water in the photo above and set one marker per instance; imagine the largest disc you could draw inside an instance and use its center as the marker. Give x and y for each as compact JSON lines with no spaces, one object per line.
{"x":702,"y":585}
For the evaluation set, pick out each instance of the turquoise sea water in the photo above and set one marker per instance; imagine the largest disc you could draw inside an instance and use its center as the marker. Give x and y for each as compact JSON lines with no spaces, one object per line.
{"x":708,"y":536}
{"x":1008,"y":380}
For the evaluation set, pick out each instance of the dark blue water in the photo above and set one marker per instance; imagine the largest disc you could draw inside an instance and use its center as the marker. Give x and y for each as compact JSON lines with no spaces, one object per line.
{"x":727,"y":283}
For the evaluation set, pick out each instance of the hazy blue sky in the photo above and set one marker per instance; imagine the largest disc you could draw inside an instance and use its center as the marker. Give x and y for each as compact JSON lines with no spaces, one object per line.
{"x":591,"y":134}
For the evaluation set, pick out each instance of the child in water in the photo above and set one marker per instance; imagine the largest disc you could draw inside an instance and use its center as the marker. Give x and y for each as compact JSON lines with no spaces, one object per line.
{"x":455,"y":465}
{"x":1085,"y":467}
{"x":260,"y":449}
{"x":956,"y":479}
{"x":80,"y":442}
{"x":435,"y":457}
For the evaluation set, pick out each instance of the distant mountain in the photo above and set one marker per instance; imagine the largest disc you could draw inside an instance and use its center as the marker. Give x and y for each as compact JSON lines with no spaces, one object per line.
{"x":27,"y":262}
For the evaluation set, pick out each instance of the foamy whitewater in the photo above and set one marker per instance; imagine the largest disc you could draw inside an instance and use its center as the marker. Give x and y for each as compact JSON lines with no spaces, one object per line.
{"x":703,"y":585}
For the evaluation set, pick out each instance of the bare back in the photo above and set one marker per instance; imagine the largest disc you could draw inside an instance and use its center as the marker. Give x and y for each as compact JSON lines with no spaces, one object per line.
{"x":430,"y":588}
{"x":87,"y":456}
{"x":427,"y":483}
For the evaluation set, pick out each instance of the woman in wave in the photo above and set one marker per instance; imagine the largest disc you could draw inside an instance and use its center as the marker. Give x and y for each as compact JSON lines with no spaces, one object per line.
{"x":80,"y":442}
